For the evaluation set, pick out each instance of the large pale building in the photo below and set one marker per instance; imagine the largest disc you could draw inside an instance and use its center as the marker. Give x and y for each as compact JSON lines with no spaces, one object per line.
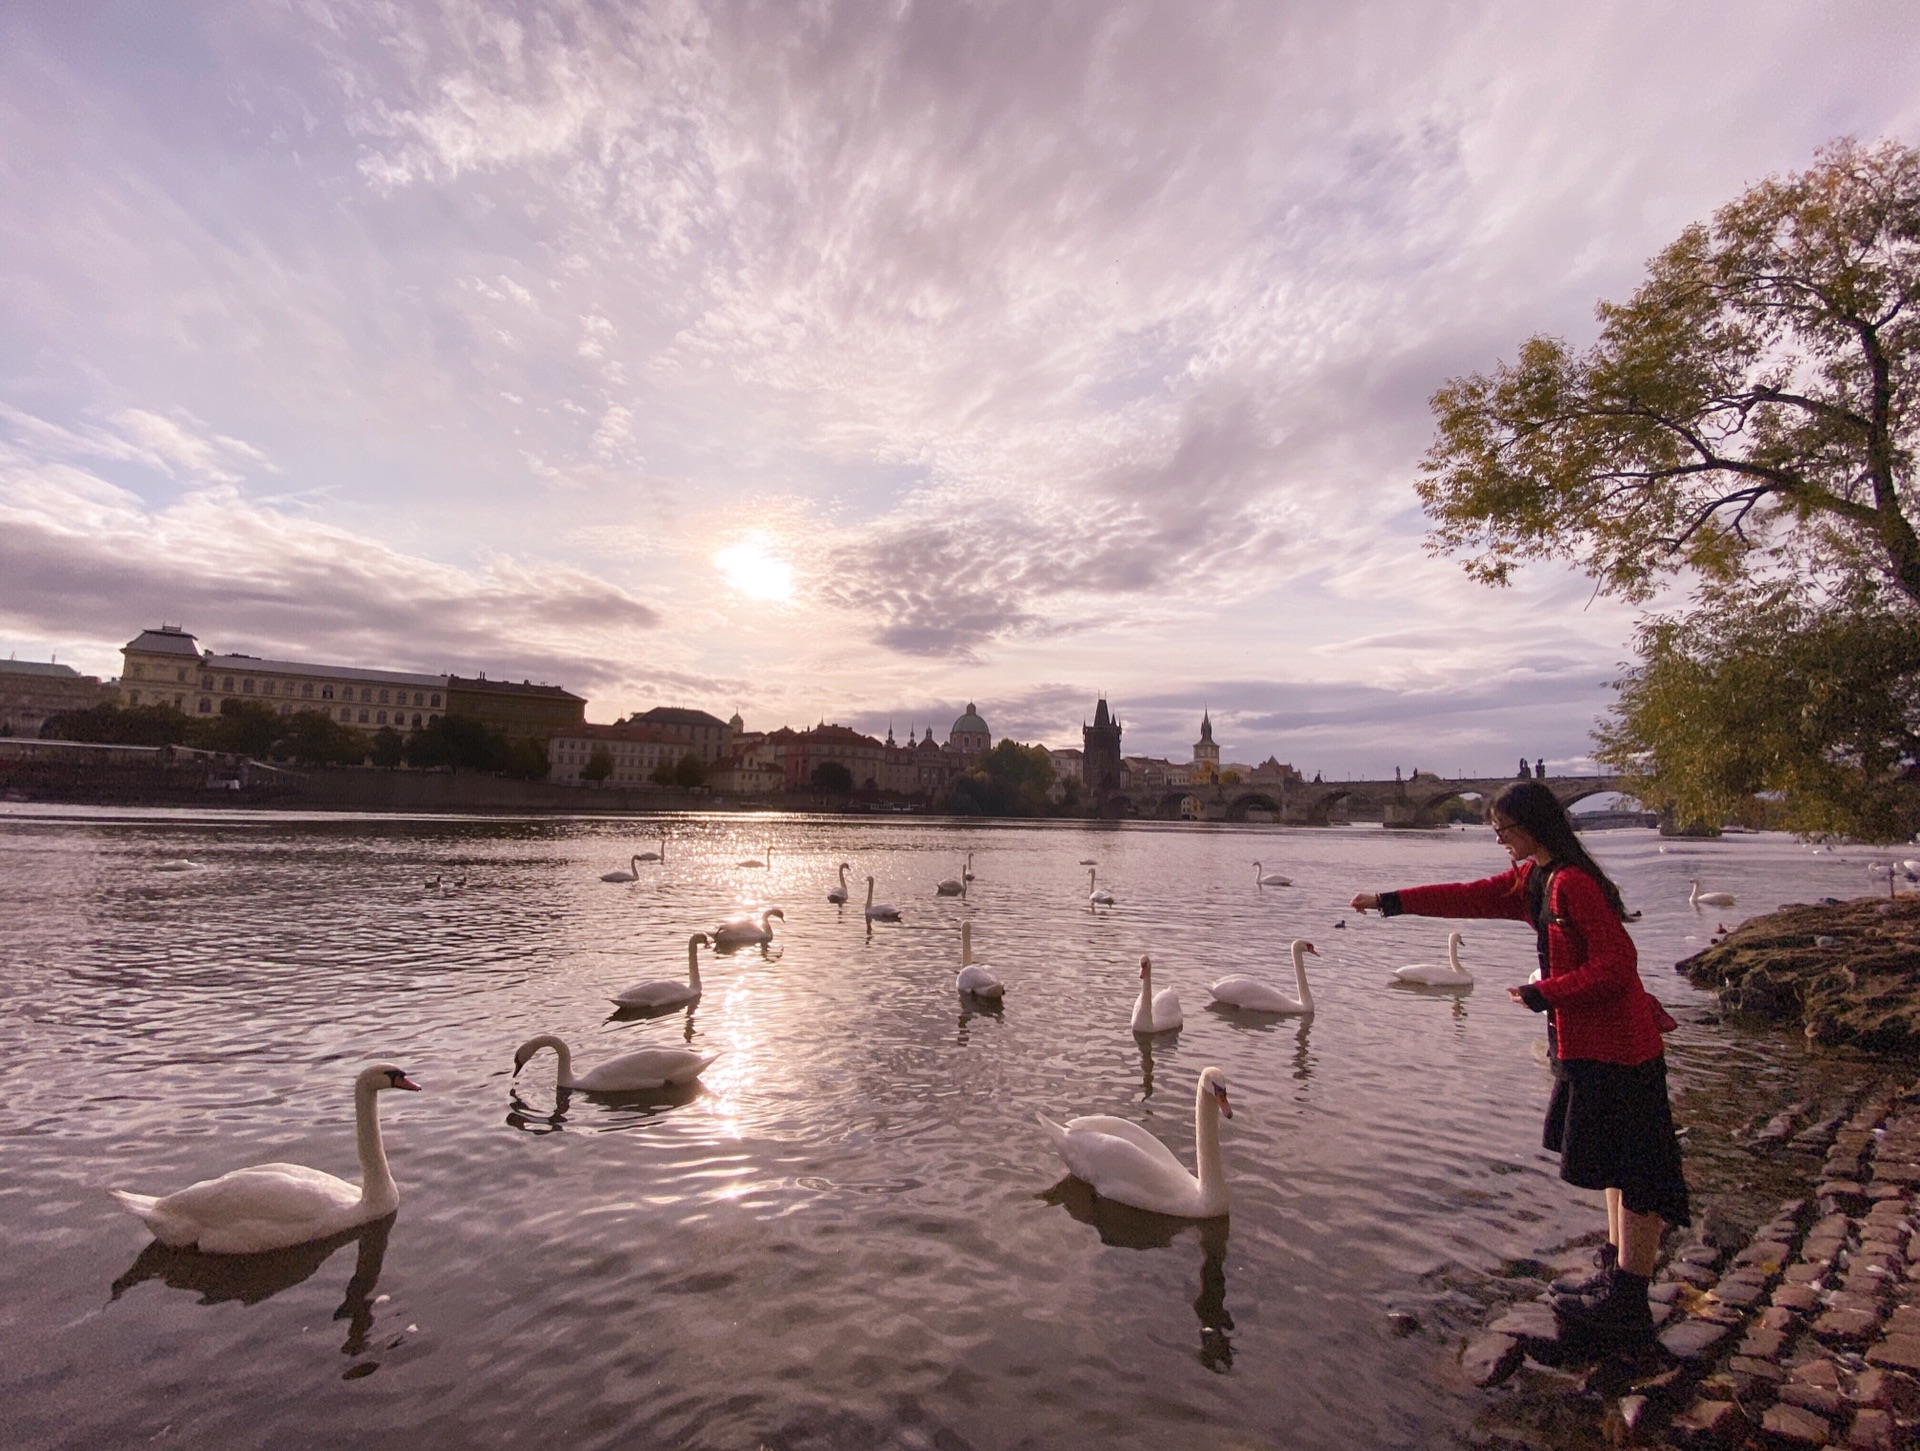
{"x":166,"y":667}
{"x":31,"y":692}
{"x":635,"y":751}
{"x":707,"y":736}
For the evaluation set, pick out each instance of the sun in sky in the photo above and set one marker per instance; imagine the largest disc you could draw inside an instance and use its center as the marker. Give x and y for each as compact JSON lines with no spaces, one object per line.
{"x":753,"y":567}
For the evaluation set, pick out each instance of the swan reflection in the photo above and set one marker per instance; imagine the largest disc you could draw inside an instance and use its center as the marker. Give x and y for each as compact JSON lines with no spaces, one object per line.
{"x":972,"y":1007}
{"x":249,"y":1279}
{"x":1170,"y":1041}
{"x":1303,"y":1060}
{"x":647,"y":1015}
{"x":1129,"y":1228}
{"x":635,"y":1106}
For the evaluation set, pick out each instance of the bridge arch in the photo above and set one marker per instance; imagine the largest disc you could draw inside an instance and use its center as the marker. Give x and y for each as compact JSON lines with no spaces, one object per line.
{"x":1253,"y":801}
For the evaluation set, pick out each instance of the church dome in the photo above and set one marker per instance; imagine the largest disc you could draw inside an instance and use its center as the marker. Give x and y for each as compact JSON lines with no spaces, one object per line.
{"x":969,"y":724}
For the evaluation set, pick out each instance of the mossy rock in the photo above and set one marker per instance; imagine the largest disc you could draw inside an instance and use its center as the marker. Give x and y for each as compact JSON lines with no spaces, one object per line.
{"x":1863,"y":988}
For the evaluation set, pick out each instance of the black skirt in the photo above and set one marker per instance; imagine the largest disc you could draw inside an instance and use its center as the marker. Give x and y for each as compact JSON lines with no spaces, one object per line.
{"x":1613,"y":1129}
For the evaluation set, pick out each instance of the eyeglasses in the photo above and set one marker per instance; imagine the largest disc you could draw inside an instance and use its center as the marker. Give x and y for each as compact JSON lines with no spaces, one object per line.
{"x":1503,"y":829}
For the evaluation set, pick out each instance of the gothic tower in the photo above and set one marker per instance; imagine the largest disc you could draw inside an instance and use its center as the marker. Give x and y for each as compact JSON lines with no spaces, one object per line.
{"x":1100,"y":759}
{"x":1206,"y":755}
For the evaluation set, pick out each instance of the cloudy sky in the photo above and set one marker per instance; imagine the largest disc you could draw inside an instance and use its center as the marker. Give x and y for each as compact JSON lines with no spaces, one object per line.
{"x":851,"y":361}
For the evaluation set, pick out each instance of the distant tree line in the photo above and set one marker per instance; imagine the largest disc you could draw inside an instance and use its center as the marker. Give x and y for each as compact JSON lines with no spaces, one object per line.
{"x":305,"y":738}
{"x":1011,"y":780}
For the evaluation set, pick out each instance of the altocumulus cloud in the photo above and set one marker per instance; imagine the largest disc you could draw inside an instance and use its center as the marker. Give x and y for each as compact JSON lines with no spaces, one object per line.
{"x":83,"y":556}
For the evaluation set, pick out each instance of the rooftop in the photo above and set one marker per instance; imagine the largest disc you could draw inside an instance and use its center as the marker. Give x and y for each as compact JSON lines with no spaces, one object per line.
{"x":167,"y":640}
{"x":481,"y":684}
{"x":678,"y":715}
{"x":41,"y":668}
{"x":338,"y":672}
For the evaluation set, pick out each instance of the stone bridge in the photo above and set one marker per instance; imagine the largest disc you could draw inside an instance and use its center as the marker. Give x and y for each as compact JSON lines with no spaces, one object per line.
{"x":1424,"y":801}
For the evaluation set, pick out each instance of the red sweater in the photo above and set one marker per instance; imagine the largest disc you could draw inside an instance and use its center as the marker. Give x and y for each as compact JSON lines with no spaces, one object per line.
{"x":1600,"y":1009}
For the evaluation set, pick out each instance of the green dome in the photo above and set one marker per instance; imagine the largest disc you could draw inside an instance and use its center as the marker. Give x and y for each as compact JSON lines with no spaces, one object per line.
{"x":969,"y":724}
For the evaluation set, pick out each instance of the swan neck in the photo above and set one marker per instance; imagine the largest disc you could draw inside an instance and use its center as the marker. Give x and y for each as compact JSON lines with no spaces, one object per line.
{"x":1453,"y":955}
{"x":1300,"y":977}
{"x":693,"y":966}
{"x":376,"y":1179}
{"x":1206,"y":1150}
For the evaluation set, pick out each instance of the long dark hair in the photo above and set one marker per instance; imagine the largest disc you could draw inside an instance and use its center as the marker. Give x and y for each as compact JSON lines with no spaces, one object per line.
{"x":1532,"y":806}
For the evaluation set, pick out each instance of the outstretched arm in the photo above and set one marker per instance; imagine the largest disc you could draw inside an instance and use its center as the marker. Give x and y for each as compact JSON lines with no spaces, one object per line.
{"x":1491,"y":897}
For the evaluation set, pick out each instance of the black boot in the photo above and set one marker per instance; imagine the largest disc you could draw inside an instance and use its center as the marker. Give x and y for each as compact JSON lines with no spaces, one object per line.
{"x":1614,"y":1318}
{"x":1604,"y":1260}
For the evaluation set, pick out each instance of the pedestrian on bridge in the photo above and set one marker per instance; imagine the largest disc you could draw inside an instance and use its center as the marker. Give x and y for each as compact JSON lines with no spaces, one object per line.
{"x":1609,"y":1117}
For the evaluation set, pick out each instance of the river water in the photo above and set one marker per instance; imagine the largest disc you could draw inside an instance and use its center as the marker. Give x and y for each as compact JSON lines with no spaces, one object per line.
{"x":854,"y":1234}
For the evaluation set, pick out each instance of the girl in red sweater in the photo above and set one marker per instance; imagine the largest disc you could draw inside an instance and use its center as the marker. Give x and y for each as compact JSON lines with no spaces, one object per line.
{"x":1609,"y":1118}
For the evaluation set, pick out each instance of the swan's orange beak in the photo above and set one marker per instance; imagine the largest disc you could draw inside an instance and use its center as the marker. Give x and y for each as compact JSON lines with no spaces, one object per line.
{"x":1220,"y":1097}
{"x":1312,"y":949}
{"x":400,"y":1080}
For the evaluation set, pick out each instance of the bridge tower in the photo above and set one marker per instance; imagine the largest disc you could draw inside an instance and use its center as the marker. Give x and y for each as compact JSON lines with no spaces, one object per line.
{"x":1100,"y":758}
{"x":1206,"y":755}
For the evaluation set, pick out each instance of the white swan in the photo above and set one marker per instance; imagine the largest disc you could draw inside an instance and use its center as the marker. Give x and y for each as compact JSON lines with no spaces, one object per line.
{"x":745,"y":932}
{"x":629,"y":1073}
{"x":750,"y":862}
{"x":272,"y":1206}
{"x":1125,"y":1163}
{"x":1432,"y":974}
{"x":664,"y":992}
{"x":1272,"y":879}
{"x":1155,"y":1012}
{"x":954,"y":886}
{"x":974,"y":977}
{"x":632,"y":875}
{"x":838,"y":895}
{"x":1698,"y":898}
{"x":966,"y":873}
{"x":1097,"y":896}
{"x":880,"y":911}
{"x":655,"y":856}
{"x":178,"y":864}
{"x":1241,"y":991}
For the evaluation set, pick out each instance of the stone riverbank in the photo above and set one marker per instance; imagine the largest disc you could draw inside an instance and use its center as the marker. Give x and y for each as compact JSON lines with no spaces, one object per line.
{"x":1846,"y":972}
{"x":1807,"y":1334}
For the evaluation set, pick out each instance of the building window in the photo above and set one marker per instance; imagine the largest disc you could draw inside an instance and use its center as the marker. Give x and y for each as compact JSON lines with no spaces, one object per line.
{"x":380,"y":718}
{"x":346,"y":712}
{"x":266,"y":687}
{"x":286,"y":707}
{"x":416,"y":698}
{"x":307,"y":689}
{"x":383,"y":697}
{"x":365,"y":694}
{"x":134,"y":699}
{"x":227,"y":683}
{"x":206,"y":682}
{"x":180,"y":675}
{"x":247,"y":687}
{"x":434,"y":701}
{"x":326,"y":692}
{"x":206,"y":706}
{"x":363,"y":717}
{"x":139,"y":672}
{"x":416,"y":720}
{"x":432,"y":718}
